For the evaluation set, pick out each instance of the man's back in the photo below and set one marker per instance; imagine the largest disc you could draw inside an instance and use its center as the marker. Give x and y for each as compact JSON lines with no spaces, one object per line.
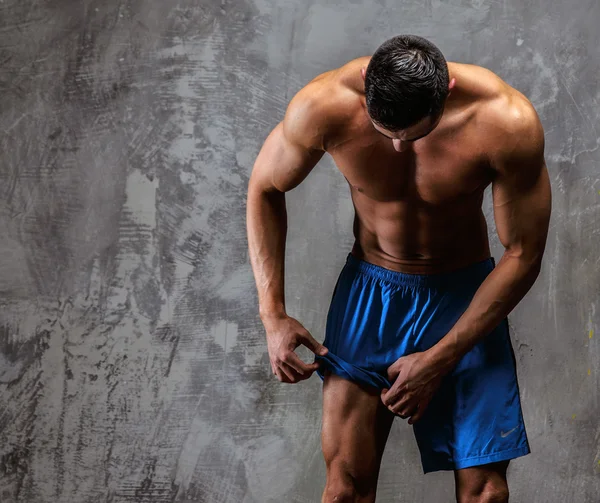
{"x":418,"y":210}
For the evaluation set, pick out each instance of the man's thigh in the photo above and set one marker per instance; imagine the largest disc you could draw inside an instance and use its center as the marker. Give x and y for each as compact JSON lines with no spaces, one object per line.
{"x":355,"y":429}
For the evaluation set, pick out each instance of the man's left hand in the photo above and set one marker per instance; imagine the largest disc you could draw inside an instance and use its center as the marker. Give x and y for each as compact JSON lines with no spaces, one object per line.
{"x":415,"y":379}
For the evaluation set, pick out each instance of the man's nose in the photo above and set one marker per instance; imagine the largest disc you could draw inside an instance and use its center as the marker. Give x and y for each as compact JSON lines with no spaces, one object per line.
{"x":399,"y":145}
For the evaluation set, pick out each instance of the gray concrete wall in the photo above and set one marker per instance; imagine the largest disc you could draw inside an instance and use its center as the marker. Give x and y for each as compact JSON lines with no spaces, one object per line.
{"x":133,"y":365}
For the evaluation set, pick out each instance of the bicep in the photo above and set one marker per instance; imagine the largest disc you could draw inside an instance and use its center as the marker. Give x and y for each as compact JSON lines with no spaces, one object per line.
{"x":522,"y":199}
{"x":294,"y":147}
{"x":283,"y":162}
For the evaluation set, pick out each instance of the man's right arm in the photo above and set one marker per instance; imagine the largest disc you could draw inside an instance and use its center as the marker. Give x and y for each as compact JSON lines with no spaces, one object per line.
{"x":288,"y":155}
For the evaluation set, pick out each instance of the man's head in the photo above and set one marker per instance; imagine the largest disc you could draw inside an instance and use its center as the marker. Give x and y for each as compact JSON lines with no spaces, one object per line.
{"x":406,"y":86}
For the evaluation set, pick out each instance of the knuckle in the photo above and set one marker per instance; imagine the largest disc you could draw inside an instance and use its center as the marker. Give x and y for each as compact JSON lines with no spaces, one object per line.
{"x":305,"y":336}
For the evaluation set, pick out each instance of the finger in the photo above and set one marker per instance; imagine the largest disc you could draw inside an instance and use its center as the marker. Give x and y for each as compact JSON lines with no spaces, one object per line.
{"x":391,"y":396}
{"x":406,"y":412}
{"x":296,"y":376}
{"x":393,"y":371}
{"x":419,"y":413}
{"x":384,"y":399}
{"x":311,"y":343}
{"x":288,"y":372}
{"x":399,"y":408}
{"x":281,"y":376}
{"x":407,"y":415}
{"x":299,"y":366}
{"x":402,"y":406}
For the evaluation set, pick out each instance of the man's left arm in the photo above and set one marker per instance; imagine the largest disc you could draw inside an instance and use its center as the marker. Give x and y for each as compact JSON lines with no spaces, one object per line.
{"x":522,"y":203}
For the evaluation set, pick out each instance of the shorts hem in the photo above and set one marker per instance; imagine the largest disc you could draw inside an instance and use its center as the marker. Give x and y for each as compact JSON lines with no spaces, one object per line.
{"x":341,"y":368}
{"x":484,"y":459}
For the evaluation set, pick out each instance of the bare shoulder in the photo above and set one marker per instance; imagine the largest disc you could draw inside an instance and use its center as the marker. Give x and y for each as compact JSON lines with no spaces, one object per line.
{"x":514,"y":132}
{"x":317,"y":113}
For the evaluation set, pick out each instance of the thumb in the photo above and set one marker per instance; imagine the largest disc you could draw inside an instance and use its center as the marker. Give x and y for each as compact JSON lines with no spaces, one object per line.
{"x":311,"y":343}
{"x":393,"y":371}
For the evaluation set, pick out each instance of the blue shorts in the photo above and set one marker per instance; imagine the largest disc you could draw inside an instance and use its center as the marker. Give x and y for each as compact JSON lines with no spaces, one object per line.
{"x":378,"y":315}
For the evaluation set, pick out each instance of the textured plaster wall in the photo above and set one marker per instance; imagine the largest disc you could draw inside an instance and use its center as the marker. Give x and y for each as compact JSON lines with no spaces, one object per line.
{"x":133,"y":364}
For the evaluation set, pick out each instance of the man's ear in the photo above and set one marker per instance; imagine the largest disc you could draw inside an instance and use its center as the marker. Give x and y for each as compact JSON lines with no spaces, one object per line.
{"x":363,"y":72}
{"x":451,"y":86}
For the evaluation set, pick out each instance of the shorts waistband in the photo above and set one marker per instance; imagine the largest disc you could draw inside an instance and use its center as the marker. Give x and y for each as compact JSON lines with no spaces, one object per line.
{"x":475,"y":272}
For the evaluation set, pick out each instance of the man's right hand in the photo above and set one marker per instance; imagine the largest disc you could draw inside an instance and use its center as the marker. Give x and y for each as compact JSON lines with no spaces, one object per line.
{"x":284,"y":335}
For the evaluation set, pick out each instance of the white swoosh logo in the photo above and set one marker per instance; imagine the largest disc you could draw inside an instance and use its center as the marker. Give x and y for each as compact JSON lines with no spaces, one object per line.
{"x":507,"y":433}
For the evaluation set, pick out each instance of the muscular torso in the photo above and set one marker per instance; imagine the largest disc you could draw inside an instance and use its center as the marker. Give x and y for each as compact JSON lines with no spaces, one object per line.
{"x":417,"y":211}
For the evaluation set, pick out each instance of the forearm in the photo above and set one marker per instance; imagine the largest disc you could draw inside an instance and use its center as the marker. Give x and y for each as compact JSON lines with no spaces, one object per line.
{"x":501,"y":291}
{"x":266,"y":221}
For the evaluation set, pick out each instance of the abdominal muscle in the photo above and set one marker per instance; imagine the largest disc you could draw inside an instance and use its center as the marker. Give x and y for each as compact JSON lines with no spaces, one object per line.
{"x":410,"y":237}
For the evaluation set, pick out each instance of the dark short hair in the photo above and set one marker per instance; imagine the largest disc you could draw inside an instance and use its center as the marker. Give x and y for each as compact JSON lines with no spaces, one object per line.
{"x":406,"y":81}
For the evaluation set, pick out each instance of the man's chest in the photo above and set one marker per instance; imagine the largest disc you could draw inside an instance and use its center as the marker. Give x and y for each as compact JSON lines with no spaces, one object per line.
{"x":434,"y":173}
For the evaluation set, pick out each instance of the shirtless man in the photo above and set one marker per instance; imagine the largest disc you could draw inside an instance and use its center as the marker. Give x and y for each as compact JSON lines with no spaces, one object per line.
{"x":417,"y":325}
